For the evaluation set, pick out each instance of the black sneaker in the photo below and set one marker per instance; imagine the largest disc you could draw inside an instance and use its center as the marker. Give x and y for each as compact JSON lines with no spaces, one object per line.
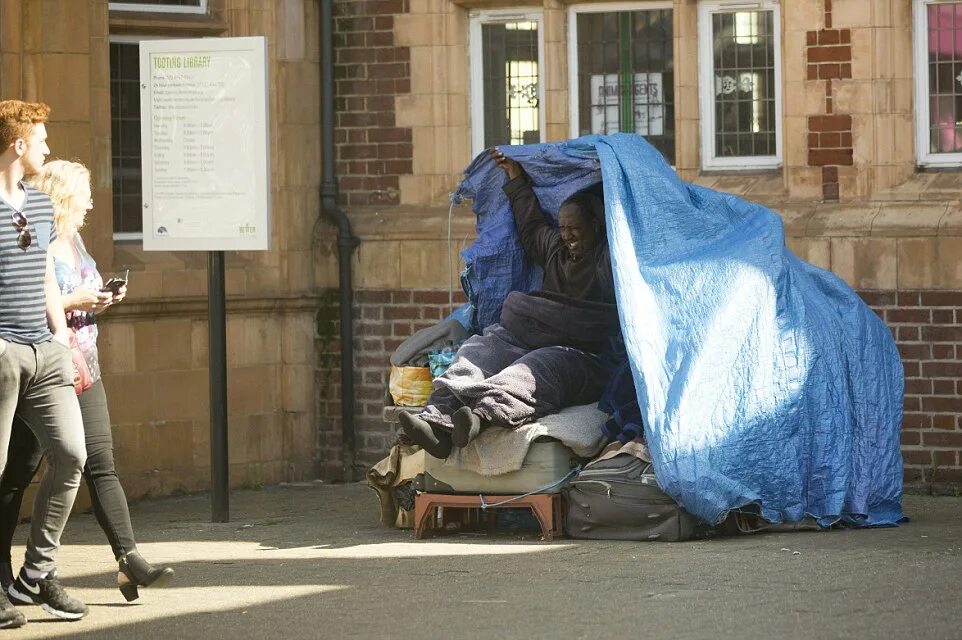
{"x":49,"y":594}
{"x":10,"y":618}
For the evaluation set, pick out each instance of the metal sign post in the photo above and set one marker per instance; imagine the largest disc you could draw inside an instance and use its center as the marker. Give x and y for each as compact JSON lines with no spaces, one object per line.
{"x":206,"y":181}
{"x":217,"y":326}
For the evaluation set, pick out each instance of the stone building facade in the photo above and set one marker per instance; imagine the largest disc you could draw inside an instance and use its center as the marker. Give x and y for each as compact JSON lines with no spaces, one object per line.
{"x":823,"y":123}
{"x":867,"y":181}
{"x":75,"y":55}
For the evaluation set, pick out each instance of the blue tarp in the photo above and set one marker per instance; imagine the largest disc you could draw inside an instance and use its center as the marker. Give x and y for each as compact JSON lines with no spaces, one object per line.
{"x":762,"y":379}
{"x":496,"y":263}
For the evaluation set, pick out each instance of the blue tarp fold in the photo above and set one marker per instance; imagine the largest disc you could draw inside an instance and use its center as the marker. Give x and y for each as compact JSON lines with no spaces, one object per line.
{"x":762,"y":379}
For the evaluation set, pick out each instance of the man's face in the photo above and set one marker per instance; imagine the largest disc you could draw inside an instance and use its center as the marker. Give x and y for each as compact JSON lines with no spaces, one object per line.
{"x":578,"y":231}
{"x":33,"y":149}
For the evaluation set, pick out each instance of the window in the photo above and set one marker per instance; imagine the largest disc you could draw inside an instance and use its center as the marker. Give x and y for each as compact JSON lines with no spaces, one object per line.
{"x":506,"y":86}
{"x":160,"y":6}
{"x":740,"y":85}
{"x":622,"y":71}
{"x":125,"y":134}
{"x":938,"y":82}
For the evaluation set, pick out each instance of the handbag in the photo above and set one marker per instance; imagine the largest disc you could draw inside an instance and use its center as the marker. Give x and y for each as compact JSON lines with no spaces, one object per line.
{"x":82,"y":378}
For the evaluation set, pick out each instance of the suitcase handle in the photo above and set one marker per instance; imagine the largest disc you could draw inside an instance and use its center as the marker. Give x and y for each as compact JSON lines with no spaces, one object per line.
{"x":606,"y":485}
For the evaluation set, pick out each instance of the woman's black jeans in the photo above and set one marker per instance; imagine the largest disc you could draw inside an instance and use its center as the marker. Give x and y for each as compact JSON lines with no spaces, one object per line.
{"x":106,"y":494}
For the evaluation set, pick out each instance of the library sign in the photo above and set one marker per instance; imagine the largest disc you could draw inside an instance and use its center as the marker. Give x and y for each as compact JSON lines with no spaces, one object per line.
{"x":204,"y":136}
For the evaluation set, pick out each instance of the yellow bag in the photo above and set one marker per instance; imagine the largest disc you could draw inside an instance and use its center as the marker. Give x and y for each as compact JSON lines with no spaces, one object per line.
{"x":410,"y":386}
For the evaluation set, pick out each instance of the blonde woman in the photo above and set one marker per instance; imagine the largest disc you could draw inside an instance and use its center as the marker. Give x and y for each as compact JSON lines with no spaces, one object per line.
{"x":68,"y":185}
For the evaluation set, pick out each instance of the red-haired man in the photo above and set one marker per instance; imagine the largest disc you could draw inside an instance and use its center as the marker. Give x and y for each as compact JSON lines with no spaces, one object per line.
{"x":36,"y":371}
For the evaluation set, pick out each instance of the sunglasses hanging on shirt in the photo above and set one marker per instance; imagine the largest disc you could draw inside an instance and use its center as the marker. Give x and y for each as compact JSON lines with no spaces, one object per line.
{"x":24,"y":239}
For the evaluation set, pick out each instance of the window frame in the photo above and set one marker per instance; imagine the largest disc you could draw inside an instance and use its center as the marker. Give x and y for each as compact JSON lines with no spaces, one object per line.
{"x":706,"y":85}
{"x":127,"y":39}
{"x":574,"y":104}
{"x":159,"y":8}
{"x":476,"y":19}
{"x":924,"y":157}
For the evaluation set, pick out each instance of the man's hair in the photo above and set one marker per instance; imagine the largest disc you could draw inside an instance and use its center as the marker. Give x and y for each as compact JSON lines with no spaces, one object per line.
{"x":592,"y":207}
{"x":17,"y":118}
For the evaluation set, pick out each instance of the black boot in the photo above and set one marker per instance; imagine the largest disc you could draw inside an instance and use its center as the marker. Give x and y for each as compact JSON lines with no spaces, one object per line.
{"x":467,"y":426}
{"x":136,"y":572}
{"x":9,"y":616}
{"x":6,"y":575}
{"x":435,"y":441}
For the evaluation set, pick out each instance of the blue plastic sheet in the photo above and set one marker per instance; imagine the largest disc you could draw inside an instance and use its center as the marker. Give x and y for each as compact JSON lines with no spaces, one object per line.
{"x":496,"y":263}
{"x":762,"y":380}
{"x":439,"y":361}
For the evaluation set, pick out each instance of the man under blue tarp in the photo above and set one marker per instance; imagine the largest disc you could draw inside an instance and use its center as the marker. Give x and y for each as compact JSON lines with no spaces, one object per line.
{"x":762,"y":380}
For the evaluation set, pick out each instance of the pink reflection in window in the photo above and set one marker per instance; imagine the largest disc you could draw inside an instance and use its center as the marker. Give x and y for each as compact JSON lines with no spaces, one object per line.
{"x":945,"y":75}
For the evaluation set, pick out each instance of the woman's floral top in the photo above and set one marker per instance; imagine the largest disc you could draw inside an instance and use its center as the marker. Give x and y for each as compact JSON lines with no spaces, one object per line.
{"x":83,"y":322}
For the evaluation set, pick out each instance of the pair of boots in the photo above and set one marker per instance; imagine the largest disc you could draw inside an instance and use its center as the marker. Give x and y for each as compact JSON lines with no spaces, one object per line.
{"x":438,"y":442}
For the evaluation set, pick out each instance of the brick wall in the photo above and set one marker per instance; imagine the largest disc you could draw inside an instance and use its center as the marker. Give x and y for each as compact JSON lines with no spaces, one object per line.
{"x":927,"y":326}
{"x":369,"y":71}
{"x":383,"y":319}
{"x":829,"y":57}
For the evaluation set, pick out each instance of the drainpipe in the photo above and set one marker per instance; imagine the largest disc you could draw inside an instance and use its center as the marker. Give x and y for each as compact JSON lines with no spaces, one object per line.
{"x":346,"y":240}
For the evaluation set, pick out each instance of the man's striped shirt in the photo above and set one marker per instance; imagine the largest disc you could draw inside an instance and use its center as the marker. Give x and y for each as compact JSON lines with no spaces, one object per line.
{"x":23,"y":316}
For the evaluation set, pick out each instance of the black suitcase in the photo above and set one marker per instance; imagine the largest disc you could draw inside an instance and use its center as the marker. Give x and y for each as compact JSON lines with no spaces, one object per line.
{"x":617,"y":498}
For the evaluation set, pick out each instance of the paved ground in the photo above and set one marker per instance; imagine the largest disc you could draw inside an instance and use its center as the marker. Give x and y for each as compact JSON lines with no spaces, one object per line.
{"x":312,"y":562}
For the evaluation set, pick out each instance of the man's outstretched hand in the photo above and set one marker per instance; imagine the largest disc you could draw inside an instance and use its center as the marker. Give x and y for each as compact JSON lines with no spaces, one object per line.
{"x":512,"y":168}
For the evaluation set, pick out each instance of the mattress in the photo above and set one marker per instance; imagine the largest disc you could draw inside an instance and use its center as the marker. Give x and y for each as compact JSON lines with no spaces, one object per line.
{"x":547,"y":462}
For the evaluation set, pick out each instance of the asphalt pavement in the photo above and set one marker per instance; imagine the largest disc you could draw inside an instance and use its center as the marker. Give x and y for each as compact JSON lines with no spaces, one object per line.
{"x":311,"y":561}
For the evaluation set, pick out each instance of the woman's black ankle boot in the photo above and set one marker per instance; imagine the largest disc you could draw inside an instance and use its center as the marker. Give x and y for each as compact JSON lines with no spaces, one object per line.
{"x":136,"y":572}
{"x":6,"y":575}
{"x":434,"y":441}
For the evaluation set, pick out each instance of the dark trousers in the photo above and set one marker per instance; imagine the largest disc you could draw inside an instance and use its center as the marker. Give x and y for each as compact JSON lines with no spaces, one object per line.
{"x":106,"y":494}
{"x":509,"y":383}
{"x":36,"y":388}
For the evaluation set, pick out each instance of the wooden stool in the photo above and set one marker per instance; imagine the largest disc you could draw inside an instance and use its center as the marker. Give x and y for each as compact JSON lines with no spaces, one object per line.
{"x":546,"y":507}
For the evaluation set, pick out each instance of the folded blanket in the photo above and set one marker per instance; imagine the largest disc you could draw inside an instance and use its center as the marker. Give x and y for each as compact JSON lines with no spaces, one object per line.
{"x":414,"y":352}
{"x":499,"y":450}
{"x":546,"y":319}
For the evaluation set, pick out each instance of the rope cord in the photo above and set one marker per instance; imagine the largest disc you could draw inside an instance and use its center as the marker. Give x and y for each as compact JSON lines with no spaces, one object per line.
{"x":489,"y":505}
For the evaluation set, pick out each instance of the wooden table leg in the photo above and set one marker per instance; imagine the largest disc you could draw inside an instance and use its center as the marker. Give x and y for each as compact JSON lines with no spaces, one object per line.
{"x":546,"y":507}
{"x":423,"y":510}
{"x":542,"y":507}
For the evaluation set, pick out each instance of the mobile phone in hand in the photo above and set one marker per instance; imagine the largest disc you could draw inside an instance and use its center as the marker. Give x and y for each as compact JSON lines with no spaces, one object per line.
{"x":113,"y":286}
{"x":115,"y":283}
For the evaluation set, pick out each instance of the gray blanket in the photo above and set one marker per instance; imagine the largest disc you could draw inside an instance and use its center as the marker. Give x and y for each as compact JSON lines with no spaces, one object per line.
{"x":509,"y":383}
{"x":498,"y":450}
{"x":414,"y":351}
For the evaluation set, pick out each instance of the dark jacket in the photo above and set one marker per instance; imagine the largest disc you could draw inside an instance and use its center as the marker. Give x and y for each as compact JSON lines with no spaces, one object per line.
{"x":586,"y":279}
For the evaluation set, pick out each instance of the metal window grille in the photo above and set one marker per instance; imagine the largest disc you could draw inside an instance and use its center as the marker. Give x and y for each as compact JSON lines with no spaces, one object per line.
{"x":125,"y":136}
{"x":509,"y":53}
{"x":626,"y":75}
{"x":744,"y":76}
{"x":944,"y":45}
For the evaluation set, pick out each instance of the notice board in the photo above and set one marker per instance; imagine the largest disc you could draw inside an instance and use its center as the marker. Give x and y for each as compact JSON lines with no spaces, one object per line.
{"x":204,"y":140}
